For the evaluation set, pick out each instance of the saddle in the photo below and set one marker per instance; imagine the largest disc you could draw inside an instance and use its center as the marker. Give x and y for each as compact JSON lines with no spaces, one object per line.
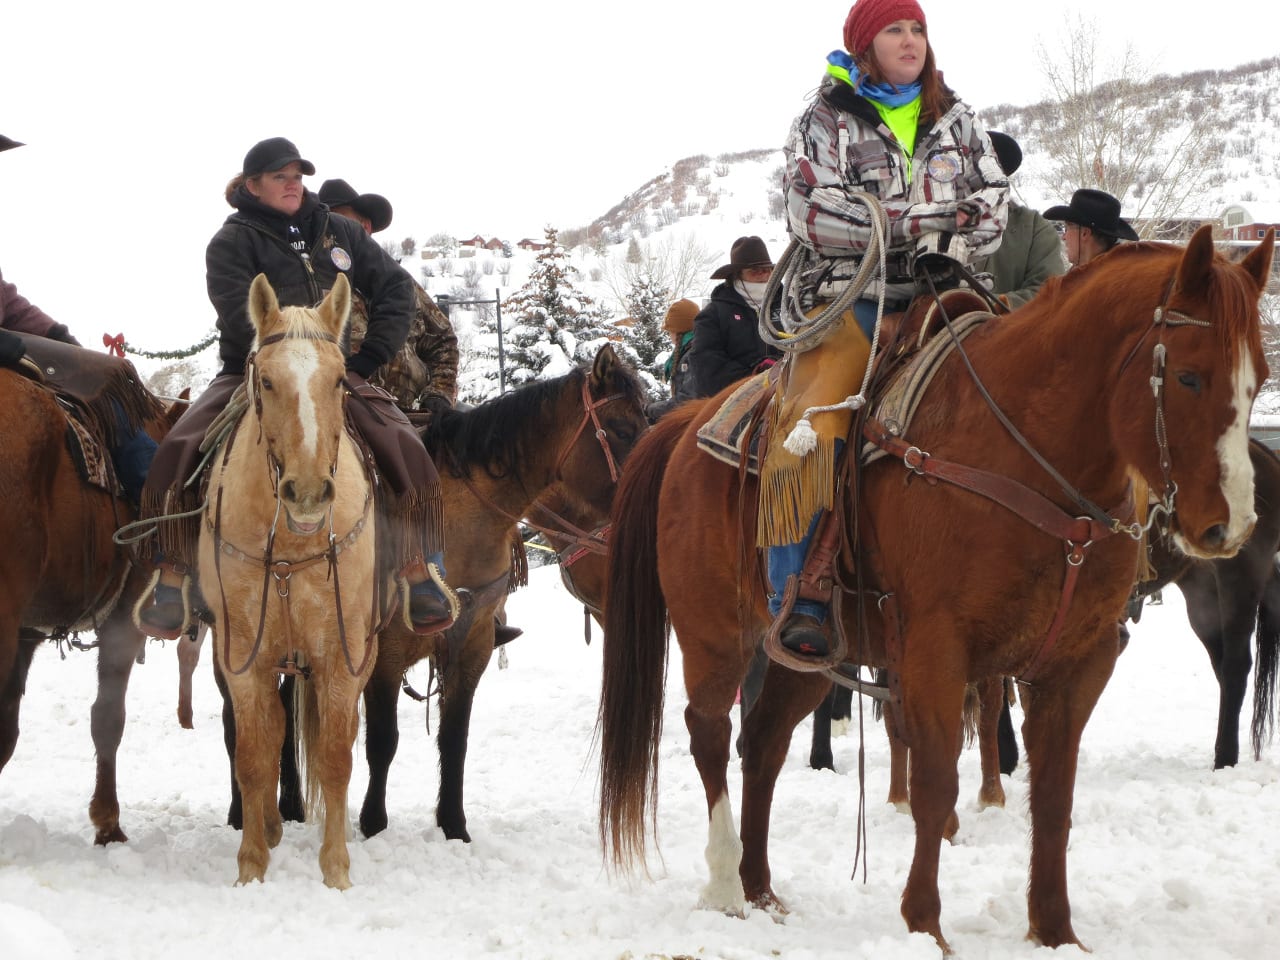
{"x":101,"y":395}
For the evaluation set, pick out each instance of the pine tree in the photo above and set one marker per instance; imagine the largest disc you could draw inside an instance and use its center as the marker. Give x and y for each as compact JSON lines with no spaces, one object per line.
{"x":550,"y":325}
{"x":647,"y":303}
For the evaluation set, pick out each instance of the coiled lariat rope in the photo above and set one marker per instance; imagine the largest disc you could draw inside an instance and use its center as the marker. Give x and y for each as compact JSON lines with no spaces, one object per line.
{"x":799,"y":333}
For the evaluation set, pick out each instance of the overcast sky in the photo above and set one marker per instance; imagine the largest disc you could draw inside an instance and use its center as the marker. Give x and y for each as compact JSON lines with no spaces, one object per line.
{"x":490,"y":117}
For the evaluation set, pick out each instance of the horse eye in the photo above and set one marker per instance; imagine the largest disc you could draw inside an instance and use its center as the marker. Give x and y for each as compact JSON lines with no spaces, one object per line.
{"x":623,"y":430}
{"x":1190,"y":380}
{"x":266,"y":383}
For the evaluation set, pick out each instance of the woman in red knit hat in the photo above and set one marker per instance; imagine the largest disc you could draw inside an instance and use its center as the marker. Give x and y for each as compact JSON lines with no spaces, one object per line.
{"x":884,"y":159}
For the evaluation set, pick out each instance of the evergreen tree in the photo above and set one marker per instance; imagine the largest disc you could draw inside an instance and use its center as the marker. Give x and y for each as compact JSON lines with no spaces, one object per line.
{"x":550,"y":325}
{"x":647,"y":302}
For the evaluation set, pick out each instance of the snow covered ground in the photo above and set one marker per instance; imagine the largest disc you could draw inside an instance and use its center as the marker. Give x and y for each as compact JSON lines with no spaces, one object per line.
{"x":1168,"y":858}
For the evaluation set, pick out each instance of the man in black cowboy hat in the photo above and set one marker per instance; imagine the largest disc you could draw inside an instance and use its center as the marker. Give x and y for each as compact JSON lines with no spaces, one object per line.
{"x":1031,"y":250}
{"x":1093,"y":225}
{"x":726,"y":342}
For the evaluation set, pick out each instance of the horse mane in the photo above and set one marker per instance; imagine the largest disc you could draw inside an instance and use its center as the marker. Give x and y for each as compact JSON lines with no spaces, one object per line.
{"x":299,"y":323}
{"x":495,"y":435}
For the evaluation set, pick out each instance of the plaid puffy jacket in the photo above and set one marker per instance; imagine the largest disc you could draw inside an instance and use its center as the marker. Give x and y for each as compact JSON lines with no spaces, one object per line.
{"x":839,"y":146}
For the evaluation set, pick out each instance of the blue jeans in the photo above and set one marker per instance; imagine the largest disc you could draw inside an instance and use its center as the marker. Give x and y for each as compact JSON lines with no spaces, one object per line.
{"x":132,"y":456}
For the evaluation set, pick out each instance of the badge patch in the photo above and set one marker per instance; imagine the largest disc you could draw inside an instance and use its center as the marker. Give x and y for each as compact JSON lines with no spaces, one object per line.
{"x":341,"y":259}
{"x":944,"y":167}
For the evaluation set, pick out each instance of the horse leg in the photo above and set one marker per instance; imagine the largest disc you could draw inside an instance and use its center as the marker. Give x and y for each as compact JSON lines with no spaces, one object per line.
{"x":235,"y":811}
{"x":19,"y":665}
{"x":786,"y":698}
{"x":119,"y":646}
{"x":293,"y":806}
{"x":1056,"y":711}
{"x":933,"y":713}
{"x":1006,"y":739}
{"x":259,"y":724}
{"x":707,"y":720}
{"x":750,"y":689}
{"x":457,"y":694}
{"x":820,"y":757}
{"x":381,"y":738}
{"x":841,"y":710}
{"x":991,"y":698}
{"x":898,"y":757}
{"x":339,"y":721}
{"x":1218,"y":626}
{"x":189,"y":648}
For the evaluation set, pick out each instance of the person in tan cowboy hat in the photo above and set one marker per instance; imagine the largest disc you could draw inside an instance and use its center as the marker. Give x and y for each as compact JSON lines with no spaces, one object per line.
{"x":1092,"y":225}
{"x":726,"y":342}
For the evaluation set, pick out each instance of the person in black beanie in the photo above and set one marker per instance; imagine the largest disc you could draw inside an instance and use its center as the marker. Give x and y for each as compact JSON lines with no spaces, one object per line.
{"x":280,"y":229}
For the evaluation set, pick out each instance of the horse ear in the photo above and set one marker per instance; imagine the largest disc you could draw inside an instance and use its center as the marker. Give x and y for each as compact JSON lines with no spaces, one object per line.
{"x":1258,"y":263}
{"x":603,"y":366}
{"x":337,"y":305}
{"x":262,"y":301}
{"x":1197,"y":261}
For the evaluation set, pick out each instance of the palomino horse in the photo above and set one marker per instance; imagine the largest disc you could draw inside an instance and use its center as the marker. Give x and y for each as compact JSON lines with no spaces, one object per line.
{"x":287,"y":563}
{"x":570,"y":434}
{"x":955,"y":584}
{"x":61,"y":571}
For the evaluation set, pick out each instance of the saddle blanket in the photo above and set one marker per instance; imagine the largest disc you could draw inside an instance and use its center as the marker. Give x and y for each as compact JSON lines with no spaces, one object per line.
{"x":726,"y":434}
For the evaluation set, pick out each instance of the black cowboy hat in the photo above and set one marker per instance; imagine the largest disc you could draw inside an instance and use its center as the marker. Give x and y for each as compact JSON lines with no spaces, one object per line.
{"x":376,"y":208}
{"x":276,"y":153}
{"x":1097,"y":210}
{"x":746,"y":252}
{"x":1007,"y":151}
{"x":7,"y":144}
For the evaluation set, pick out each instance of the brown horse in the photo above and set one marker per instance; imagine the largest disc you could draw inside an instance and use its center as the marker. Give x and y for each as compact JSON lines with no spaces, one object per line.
{"x":570,"y":434}
{"x":956,"y":584}
{"x":287,"y":560}
{"x":61,"y":570}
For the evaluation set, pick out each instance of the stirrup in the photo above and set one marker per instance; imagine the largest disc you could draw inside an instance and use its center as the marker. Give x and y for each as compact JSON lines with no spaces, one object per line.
{"x":779,"y":654}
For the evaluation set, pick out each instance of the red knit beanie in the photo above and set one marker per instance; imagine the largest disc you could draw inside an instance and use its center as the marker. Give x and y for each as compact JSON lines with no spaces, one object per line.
{"x":868,"y":17}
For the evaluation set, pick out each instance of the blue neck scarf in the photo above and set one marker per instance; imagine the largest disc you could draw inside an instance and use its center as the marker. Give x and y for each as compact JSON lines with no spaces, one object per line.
{"x":841,"y":66}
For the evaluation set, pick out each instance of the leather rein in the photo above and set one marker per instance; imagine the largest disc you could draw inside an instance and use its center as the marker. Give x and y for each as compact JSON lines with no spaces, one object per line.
{"x":1077,"y":533}
{"x":283,"y":570}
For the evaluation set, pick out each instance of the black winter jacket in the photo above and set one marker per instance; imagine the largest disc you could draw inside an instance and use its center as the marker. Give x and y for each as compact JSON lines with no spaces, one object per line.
{"x":726,"y":344}
{"x":302,"y":257}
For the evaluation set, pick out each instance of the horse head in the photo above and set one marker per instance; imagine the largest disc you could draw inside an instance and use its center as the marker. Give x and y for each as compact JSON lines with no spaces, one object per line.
{"x":297,"y":386}
{"x":1205,"y":361}
{"x":612,"y":411}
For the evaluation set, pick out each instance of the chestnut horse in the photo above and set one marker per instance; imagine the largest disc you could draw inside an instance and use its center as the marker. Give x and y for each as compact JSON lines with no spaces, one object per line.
{"x":62,"y":573}
{"x":287,"y":560}
{"x":956,"y":585}
{"x":569,"y":435}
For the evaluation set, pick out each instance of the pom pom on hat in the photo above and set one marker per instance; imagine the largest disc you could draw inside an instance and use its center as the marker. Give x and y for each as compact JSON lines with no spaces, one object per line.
{"x":868,"y":17}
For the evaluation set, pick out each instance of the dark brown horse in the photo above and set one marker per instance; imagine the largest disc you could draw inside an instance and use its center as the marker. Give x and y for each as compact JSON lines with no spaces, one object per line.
{"x":571,"y":433}
{"x":62,"y":574}
{"x":955,"y":584}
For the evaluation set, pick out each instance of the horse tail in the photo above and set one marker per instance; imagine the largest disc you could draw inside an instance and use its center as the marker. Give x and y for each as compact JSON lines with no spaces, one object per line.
{"x":634,"y":674}
{"x":1267,"y":663}
{"x":306,"y":720}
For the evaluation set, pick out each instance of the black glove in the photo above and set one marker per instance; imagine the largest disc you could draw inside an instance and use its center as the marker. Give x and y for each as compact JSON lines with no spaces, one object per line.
{"x":60,"y":332}
{"x":364,"y":366}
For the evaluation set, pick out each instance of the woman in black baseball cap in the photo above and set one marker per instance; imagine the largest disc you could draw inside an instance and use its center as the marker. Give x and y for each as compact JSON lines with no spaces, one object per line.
{"x":280,"y":229}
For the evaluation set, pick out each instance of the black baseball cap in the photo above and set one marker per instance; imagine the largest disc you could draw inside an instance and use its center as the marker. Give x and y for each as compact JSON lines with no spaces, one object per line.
{"x":270,"y":155}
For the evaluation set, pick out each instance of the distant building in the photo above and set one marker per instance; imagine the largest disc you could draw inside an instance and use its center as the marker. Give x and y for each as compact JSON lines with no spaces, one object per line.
{"x":531,"y":245}
{"x":476,"y":241}
{"x":1249,"y":221}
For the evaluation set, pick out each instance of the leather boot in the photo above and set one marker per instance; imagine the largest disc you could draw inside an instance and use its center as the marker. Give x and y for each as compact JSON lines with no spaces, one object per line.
{"x":166,"y":618}
{"x":804,"y":636}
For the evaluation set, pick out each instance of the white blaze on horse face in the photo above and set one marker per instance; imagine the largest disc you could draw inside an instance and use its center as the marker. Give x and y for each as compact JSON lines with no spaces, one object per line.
{"x":1233,"y":455}
{"x":303,"y":365}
